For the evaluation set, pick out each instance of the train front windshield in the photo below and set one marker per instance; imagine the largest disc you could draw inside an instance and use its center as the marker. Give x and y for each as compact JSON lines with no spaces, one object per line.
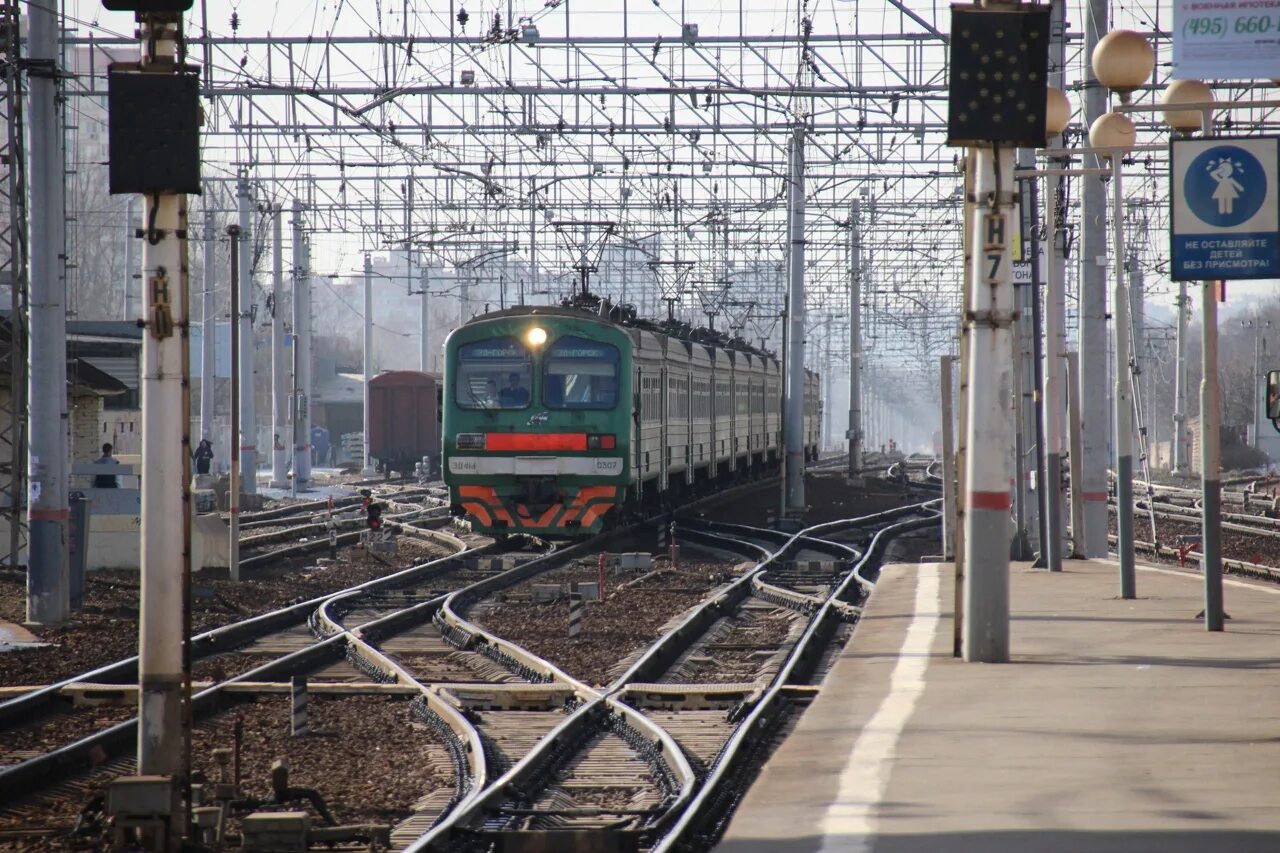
{"x":580,"y":374}
{"x":494,"y":374}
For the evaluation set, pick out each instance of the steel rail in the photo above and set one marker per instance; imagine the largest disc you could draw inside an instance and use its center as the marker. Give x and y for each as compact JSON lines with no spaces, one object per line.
{"x":749,"y":734}
{"x":22,"y":779}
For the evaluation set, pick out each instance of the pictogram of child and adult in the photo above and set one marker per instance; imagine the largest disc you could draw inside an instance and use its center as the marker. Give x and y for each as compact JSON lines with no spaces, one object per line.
{"x":1226,"y":185}
{"x":1229,"y":189}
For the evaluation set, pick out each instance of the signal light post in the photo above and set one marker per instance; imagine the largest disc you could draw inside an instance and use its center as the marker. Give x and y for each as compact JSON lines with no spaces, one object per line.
{"x":152,"y":92}
{"x":993,"y":119}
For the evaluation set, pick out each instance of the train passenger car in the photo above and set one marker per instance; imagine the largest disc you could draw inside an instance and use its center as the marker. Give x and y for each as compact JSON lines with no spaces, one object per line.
{"x":404,"y":420}
{"x":558,"y":420}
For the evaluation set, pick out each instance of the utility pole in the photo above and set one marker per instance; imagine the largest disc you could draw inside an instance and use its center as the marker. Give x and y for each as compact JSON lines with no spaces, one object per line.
{"x":945,"y":385}
{"x":235,"y":485}
{"x":990,"y":419}
{"x":855,"y":340}
{"x":279,"y":393}
{"x":208,"y":330}
{"x":301,"y":418}
{"x":164,"y":624}
{"x":48,"y":581}
{"x":1026,"y":535}
{"x":244,"y":318}
{"x":794,"y":351}
{"x":368,"y":469}
{"x":1179,"y":446}
{"x":1093,"y":310}
{"x":1123,"y":392}
{"x":1055,"y":310}
{"x":1053,"y":405}
{"x":424,"y":322}
{"x":303,"y":331}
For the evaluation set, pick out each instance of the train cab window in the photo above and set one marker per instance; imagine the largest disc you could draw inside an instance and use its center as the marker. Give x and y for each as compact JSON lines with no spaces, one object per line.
{"x":578,"y":373}
{"x":494,"y":374}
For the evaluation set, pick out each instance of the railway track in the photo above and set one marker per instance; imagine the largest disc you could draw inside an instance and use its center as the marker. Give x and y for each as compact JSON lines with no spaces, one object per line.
{"x":532,"y":748}
{"x":631,"y":758}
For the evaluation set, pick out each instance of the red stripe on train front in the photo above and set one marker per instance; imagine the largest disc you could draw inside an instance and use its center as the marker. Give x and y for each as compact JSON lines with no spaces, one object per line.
{"x":535,"y":441}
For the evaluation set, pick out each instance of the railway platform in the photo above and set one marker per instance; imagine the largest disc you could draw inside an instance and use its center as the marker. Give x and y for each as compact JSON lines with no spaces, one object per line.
{"x":1117,"y":725}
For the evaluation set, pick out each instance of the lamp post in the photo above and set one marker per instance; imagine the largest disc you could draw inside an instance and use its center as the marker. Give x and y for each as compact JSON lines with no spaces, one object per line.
{"x":1194,"y":92}
{"x":1122,"y":62}
{"x":1184,"y":121}
{"x":1057,"y":116}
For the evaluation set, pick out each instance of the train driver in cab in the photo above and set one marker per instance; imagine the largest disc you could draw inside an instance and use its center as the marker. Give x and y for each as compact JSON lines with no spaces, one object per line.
{"x":514,"y":395}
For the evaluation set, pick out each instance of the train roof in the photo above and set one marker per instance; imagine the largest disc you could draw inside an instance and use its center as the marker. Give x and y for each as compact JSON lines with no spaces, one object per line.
{"x":600,"y":309}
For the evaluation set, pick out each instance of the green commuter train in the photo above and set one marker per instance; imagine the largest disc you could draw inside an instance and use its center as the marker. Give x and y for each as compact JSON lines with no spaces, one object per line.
{"x":559,"y":421}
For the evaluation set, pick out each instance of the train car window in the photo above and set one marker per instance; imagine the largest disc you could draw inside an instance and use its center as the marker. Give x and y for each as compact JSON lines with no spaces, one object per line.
{"x":580,"y":374}
{"x":494,"y":374}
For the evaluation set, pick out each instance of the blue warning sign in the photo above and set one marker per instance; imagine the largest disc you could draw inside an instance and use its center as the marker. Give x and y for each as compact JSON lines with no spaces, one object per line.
{"x":1226,"y":208}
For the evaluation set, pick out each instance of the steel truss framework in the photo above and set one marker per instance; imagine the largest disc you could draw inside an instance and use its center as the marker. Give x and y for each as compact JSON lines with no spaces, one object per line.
{"x":489,"y":128}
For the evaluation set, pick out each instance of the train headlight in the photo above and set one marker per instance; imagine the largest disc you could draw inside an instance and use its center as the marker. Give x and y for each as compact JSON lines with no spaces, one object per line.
{"x":537,"y":336}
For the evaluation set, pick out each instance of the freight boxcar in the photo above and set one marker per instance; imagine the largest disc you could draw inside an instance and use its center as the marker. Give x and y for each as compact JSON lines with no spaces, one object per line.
{"x":404,"y":420}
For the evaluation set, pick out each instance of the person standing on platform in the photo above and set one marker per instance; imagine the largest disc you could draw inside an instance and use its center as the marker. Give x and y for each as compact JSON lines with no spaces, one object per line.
{"x":106,"y":481}
{"x":319,"y":445}
{"x":203,"y":456}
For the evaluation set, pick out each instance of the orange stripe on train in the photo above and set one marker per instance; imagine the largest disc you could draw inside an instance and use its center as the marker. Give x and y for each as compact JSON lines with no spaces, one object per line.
{"x":480,"y":512}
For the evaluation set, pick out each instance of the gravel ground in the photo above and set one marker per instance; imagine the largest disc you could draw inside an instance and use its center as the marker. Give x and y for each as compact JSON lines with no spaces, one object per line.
{"x":367,"y":757}
{"x":106,"y":628}
{"x":1264,"y":550}
{"x":828,"y":497}
{"x":630,"y":618}
{"x":50,"y":732}
{"x":226,"y":666}
{"x":732,"y":656}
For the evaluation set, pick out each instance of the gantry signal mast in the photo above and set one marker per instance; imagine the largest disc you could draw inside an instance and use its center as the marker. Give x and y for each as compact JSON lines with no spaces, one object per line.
{"x":154,"y":150}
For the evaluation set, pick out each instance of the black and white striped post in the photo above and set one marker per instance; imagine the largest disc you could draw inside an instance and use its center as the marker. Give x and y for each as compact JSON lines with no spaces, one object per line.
{"x":298,"y":693}
{"x":663,"y":535}
{"x":575,"y":614}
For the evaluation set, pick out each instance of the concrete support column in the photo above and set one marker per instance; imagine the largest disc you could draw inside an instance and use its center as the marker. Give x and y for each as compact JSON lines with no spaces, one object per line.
{"x":989,"y":467}
{"x":248,"y":414}
{"x":279,"y":362}
{"x":208,"y":329}
{"x":303,"y":296}
{"x":1054,"y":304}
{"x":1123,"y":394}
{"x":48,"y":581}
{"x":301,"y":417}
{"x":855,"y":340}
{"x":368,"y":469}
{"x":166,"y":461}
{"x":793,"y":408}
{"x":948,"y":460}
{"x":1093,"y":405}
